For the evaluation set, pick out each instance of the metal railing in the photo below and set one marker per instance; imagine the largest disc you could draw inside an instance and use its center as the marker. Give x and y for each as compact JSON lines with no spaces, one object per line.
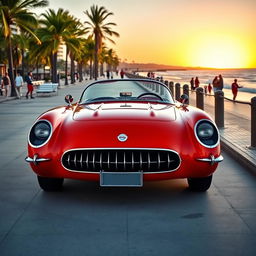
{"x":219,"y":105}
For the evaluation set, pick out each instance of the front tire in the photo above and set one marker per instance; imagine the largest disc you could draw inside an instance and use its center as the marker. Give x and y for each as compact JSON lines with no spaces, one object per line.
{"x":200,"y":184}
{"x":50,"y":184}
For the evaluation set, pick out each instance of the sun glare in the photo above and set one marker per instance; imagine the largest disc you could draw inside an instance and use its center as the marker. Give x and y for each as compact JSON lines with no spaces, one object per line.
{"x":220,"y":53}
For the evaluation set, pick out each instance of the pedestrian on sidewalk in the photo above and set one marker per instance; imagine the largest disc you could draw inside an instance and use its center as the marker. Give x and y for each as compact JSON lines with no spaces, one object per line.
{"x":122,"y":73}
{"x":19,"y":84}
{"x":234,"y":88}
{"x":108,"y":74}
{"x":29,"y":80}
{"x":6,"y":83}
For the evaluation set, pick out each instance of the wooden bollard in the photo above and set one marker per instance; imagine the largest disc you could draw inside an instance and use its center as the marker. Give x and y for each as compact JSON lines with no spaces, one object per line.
{"x":253,"y":122}
{"x":200,"y":98}
{"x":171,"y":87}
{"x":186,"y":91}
{"x":219,"y":108}
{"x":177,"y":91}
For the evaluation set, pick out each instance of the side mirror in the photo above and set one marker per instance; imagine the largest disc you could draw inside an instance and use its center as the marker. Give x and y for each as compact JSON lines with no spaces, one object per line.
{"x":184,"y":99}
{"x":69,"y":99}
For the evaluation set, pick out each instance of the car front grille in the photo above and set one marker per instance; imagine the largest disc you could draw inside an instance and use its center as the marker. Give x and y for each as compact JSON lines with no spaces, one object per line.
{"x":121,"y":160}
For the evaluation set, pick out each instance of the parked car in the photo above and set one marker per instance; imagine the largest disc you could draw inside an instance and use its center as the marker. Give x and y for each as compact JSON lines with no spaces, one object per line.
{"x":124,"y":132}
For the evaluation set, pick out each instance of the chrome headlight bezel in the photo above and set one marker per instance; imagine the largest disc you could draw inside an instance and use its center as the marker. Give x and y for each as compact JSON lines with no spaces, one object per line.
{"x":211,"y":138}
{"x":36,"y":141}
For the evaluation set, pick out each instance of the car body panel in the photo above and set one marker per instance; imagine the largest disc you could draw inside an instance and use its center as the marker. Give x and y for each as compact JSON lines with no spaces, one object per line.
{"x":147,"y":126}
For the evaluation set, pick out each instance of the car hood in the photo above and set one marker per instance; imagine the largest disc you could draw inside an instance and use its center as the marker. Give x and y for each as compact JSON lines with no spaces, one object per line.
{"x":125,"y":111}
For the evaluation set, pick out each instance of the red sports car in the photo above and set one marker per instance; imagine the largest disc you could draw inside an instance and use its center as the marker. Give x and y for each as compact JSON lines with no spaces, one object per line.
{"x":122,"y":133}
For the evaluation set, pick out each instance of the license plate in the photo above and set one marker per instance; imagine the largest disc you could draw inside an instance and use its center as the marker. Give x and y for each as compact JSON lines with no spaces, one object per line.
{"x":121,"y":179}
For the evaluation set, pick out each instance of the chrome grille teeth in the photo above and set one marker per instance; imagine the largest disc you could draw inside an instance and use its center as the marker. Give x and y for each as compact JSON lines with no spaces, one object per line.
{"x":108,"y":161}
{"x":90,"y":160}
{"x":75,"y":163}
{"x":93,"y":160}
{"x":100,"y":161}
{"x":81,"y":160}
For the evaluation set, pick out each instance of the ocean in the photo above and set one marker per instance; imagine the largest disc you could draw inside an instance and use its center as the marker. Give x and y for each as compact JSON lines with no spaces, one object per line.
{"x":245,"y":78}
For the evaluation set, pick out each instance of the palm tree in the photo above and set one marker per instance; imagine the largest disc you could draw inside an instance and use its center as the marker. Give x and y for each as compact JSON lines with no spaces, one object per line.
{"x":100,"y":30}
{"x":89,"y":53}
{"x":56,"y":29}
{"x":16,"y":13}
{"x":75,"y":43}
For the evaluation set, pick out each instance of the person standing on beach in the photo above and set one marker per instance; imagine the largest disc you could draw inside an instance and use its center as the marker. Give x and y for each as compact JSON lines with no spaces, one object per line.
{"x":197,"y":83}
{"x":215,"y":84}
{"x":6,"y":83}
{"x":209,"y":88}
{"x":29,"y":80}
{"x":192,"y":84}
{"x":220,"y":83}
{"x":234,"y":88}
{"x":18,"y":84}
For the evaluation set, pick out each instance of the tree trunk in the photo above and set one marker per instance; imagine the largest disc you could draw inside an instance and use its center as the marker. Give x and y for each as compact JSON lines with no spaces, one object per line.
{"x":96,"y":55}
{"x":90,"y":69}
{"x":37,"y":70}
{"x":72,"y":69}
{"x":44,"y":72}
{"x":80,"y":71}
{"x":54,"y":67}
{"x":102,"y":69}
{"x":66,"y":68}
{"x":22,"y":64}
{"x":10,"y":62}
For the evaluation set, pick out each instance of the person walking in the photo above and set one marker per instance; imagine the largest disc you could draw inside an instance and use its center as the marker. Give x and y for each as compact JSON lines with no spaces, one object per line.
{"x":209,"y":88}
{"x":234,"y":88}
{"x":18,"y":84}
{"x":122,"y":73}
{"x":108,"y":74}
{"x":29,"y":81}
{"x":6,"y":83}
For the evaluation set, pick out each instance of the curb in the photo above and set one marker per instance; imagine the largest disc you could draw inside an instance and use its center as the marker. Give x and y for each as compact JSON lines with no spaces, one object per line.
{"x":7,"y":99}
{"x":239,"y":155}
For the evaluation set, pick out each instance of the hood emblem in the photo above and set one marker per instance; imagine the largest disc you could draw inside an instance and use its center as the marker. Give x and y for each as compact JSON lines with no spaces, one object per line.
{"x":122,"y":137}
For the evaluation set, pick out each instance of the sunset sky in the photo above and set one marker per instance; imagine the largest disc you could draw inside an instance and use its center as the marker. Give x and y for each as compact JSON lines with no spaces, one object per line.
{"x":219,"y":33}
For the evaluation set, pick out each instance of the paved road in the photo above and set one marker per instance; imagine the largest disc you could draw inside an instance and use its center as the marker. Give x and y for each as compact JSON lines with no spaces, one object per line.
{"x":162,"y":218}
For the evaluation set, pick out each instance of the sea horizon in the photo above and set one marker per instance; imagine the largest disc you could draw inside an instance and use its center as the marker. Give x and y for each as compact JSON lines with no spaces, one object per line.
{"x":246,"y":77}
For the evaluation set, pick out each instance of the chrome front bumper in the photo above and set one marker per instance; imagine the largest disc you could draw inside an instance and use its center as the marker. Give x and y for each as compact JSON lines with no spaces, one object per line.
{"x":35,"y":160}
{"x":212,"y":160}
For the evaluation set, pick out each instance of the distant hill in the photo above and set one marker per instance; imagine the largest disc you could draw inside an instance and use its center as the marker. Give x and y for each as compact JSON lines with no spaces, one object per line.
{"x":149,"y":67}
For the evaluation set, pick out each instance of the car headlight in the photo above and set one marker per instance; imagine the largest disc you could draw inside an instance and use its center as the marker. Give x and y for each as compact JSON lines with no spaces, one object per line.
{"x":207,"y":133}
{"x":40,"y":133}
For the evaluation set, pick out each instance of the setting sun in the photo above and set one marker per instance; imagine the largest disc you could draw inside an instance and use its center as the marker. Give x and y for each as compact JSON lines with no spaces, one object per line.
{"x":219,"y":52}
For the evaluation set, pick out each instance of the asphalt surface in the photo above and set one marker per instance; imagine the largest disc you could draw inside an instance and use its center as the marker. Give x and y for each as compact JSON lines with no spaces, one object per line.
{"x":162,"y":218}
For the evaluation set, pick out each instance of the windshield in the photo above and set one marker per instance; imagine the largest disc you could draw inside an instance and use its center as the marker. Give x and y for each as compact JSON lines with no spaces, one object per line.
{"x":126,"y":90}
